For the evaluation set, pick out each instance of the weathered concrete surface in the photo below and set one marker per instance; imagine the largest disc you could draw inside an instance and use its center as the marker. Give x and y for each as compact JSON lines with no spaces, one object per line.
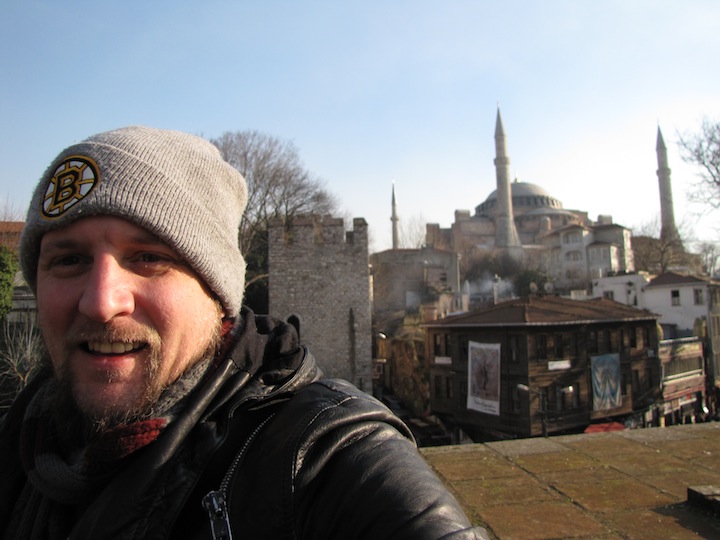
{"x":626,"y":484}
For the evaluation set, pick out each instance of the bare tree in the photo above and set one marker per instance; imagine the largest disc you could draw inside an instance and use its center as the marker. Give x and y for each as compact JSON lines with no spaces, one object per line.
{"x":412,"y":232}
{"x":653,"y":253}
{"x":9,"y":211}
{"x":703,"y":150}
{"x":709,"y":253}
{"x":279,"y":186}
{"x":20,"y":352}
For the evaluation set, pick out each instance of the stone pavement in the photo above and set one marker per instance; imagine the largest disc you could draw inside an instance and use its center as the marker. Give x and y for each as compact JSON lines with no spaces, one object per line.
{"x":624,"y":484}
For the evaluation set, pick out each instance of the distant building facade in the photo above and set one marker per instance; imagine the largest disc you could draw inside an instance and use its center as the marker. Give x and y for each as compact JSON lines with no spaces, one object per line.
{"x":687,"y":306}
{"x":10,"y":232}
{"x":683,"y":386}
{"x":542,"y":365}
{"x":319,"y":281}
{"x":406,"y":279}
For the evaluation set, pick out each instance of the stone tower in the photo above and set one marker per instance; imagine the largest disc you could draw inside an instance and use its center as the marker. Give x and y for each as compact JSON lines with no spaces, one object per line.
{"x":506,"y":236}
{"x":319,"y":280}
{"x":668,"y":230}
{"x":394,"y":218}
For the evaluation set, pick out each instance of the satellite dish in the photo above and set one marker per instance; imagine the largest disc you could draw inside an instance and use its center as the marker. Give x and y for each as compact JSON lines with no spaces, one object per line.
{"x":548,"y":287}
{"x":533,"y":287}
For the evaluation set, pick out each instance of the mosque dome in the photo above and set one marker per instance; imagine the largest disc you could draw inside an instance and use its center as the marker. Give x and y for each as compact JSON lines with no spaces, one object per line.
{"x":526,"y":197}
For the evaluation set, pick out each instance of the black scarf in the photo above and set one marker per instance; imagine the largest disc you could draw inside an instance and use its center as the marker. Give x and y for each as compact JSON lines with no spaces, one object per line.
{"x":64,"y":476}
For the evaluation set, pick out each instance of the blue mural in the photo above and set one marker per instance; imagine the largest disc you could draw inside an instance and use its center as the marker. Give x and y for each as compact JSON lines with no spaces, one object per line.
{"x":606,"y":381}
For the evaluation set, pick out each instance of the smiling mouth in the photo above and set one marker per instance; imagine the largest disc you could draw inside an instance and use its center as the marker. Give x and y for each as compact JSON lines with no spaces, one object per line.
{"x":114,"y":347}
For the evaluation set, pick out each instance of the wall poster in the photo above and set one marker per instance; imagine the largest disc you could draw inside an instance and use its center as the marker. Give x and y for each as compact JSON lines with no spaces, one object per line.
{"x":606,"y":381}
{"x":484,"y":377}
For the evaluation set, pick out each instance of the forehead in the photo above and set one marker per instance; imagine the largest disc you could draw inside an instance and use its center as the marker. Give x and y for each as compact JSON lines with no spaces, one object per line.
{"x":99,"y":229}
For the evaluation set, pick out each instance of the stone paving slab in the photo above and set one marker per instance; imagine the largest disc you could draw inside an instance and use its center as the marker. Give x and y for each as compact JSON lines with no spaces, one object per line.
{"x":629,"y":484}
{"x":542,"y":521}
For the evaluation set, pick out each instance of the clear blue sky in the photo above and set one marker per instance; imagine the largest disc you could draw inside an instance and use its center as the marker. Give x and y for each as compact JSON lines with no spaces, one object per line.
{"x":375,"y":91}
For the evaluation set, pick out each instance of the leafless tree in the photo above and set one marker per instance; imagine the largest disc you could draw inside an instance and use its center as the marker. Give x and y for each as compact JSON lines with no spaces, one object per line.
{"x":702,"y":149}
{"x":655,"y":254}
{"x":20,"y":353}
{"x":10,"y":212}
{"x":709,"y":253}
{"x":412,"y":232}
{"x":279,"y":186}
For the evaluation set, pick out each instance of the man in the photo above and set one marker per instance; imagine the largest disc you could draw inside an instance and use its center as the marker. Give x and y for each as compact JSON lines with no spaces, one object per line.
{"x":164,"y":409}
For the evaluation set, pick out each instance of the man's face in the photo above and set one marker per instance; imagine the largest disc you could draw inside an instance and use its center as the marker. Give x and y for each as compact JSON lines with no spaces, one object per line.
{"x":122,"y":315}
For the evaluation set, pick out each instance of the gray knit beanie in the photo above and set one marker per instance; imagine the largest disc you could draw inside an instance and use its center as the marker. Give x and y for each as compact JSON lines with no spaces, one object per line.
{"x":175,"y":185}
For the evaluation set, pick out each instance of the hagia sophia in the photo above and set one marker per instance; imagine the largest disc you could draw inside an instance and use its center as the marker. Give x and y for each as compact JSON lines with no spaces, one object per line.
{"x":527,"y":222}
{"x":518,"y":219}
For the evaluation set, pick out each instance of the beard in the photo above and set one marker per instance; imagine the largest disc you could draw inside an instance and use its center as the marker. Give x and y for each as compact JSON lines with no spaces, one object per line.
{"x":87,"y":421}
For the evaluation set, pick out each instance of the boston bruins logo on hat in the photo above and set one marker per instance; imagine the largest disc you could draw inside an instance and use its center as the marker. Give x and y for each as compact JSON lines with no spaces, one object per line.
{"x":72,"y":181}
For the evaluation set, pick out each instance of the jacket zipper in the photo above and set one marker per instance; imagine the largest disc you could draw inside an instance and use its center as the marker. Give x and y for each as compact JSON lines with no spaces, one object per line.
{"x":215,"y":502}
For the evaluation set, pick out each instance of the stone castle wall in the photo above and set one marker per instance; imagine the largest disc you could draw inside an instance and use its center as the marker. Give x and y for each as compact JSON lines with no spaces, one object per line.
{"x":319,"y":277}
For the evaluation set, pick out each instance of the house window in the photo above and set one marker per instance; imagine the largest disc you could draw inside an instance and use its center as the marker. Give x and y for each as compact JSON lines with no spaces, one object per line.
{"x":515,"y":402}
{"x":448,"y":388}
{"x":607,"y":344}
{"x":633,"y":338}
{"x":699,"y":297}
{"x":559,"y":347}
{"x":542,"y":347}
{"x":438,"y":386}
{"x":592,"y":342}
{"x":574,"y":256}
{"x":572,"y":238}
{"x":566,"y":397}
{"x":609,"y":295}
{"x":436,"y":345}
{"x":675,"y":297}
{"x":514,"y":348}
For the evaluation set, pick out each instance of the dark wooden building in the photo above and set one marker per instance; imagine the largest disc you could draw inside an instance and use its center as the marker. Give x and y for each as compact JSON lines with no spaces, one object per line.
{"x":542,"y":365}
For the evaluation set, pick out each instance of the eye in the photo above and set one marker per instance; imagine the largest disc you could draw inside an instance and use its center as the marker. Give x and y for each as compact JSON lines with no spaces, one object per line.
{"x":153,"y":262}
{"x":66,"y":260}
{"x":65,"y":265}
{"x":152,"y":258}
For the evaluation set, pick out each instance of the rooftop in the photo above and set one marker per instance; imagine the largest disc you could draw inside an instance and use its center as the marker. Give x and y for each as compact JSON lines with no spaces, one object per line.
{"x":540,"y":310}
{"x":622,"y":484}
{"x":671,"y":278}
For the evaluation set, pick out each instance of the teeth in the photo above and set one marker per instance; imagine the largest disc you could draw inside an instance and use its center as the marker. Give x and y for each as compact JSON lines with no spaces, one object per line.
{"x":116,"y":347}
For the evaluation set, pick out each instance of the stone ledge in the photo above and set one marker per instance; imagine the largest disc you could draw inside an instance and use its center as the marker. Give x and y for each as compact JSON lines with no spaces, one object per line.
{"x":705,"y":497}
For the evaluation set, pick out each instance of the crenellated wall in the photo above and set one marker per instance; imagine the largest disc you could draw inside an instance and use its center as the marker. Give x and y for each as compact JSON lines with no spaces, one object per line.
{"x":319,"y":277}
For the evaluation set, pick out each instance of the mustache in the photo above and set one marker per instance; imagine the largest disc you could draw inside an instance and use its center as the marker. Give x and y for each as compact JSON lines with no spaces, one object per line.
{"x":126,"y":332}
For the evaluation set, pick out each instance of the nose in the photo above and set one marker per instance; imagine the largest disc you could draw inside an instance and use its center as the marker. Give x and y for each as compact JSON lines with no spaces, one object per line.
{"x":108,"y":291}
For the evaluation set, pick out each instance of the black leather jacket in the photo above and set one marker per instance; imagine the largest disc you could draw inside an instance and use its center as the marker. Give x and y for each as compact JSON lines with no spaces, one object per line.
{"x":268,"y":449}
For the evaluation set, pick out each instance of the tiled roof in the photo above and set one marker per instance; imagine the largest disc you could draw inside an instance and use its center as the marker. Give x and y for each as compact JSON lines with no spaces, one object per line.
{"x":671,"y":278}
{"x":544,"y":310}
{"x":11,"y":226}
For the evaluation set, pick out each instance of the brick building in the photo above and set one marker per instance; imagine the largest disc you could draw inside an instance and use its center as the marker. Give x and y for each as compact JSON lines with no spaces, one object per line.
{"x":319,"y":281}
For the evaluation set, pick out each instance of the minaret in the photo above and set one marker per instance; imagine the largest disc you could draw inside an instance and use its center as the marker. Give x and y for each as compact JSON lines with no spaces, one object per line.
{"x":394,"y":218}
{"x":506,"y":235}
{"x":668,"y":230}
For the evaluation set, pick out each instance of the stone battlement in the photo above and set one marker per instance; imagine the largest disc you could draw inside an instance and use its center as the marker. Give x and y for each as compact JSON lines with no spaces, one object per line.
{"x":317,"y":230}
